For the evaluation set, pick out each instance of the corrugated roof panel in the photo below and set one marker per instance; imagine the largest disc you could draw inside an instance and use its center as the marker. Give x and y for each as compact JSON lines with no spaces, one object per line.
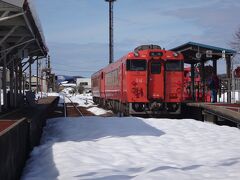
{"x":219,"y":49}
{"x":212,"y":47}
{"x":30,"y":20}
{"x":18,"y":3}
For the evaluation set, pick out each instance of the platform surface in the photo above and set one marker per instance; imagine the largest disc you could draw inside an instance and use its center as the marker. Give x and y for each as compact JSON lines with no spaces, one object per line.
{"x":225,"y":110}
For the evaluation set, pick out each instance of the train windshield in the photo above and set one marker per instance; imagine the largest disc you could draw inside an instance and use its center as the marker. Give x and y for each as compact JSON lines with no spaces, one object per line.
{"x":155,"y":67}
{"x":174,"y":66}
{"x":136,"y":65}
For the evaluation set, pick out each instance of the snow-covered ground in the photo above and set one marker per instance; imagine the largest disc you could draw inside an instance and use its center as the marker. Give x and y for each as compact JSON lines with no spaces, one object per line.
{"x":134,"y":148}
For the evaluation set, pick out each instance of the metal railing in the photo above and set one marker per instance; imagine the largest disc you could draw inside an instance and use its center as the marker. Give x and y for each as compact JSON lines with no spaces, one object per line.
{"x":230,"y":88}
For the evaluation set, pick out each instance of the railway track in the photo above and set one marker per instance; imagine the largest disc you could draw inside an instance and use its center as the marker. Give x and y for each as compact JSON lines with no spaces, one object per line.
{"x":75,"y":111}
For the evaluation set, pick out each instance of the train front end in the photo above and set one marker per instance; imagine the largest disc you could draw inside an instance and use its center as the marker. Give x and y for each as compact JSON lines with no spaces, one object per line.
{"x":155,"y":81}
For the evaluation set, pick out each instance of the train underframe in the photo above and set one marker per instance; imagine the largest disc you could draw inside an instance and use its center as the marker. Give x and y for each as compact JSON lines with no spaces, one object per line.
{"x":138,"y":108}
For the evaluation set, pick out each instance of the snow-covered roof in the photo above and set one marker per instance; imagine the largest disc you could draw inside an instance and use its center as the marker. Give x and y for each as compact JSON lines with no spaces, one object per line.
{"x":68,"y":85}
{"x":20,"y":25}
{"x":36,"y":19}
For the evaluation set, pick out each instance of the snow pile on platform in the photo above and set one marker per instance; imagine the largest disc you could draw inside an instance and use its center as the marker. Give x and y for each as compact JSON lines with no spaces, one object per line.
{"x":135,"y":148}
{"x":99,"y":111}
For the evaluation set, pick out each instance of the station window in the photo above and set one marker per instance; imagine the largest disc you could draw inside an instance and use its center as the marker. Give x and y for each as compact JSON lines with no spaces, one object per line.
{"x":155,"y":67}
{"x":136,"y":65}
{"x":84,"y":83}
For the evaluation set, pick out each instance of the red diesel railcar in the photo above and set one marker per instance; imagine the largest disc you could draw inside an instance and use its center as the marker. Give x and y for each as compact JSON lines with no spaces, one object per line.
{"x":148,"y":80}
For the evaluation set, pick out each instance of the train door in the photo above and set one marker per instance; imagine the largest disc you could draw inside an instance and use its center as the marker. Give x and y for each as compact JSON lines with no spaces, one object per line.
{"x":102,"y":86}
{"x":121,"y":81}
{"x":156,"y":80}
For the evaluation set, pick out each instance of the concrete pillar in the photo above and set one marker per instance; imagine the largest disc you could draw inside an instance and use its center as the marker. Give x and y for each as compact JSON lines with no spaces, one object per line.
{"x":214,"y":62}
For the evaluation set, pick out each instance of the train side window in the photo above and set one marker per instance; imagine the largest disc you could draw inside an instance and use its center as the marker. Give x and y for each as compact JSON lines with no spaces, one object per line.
{"x":155,"y":67}
{"x":102,"y":75}
{"x":136,"y":65}
{"x":172,"y":65}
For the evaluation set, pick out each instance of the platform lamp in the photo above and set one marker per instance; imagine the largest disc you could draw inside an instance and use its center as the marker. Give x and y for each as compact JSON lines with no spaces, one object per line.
{"x":110,"y":30}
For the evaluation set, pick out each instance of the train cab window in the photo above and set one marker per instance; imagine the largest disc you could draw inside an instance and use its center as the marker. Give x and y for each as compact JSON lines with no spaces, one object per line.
{"x":155,"y":67}
{"x":136,"y":65}
{"x":174,"y":65}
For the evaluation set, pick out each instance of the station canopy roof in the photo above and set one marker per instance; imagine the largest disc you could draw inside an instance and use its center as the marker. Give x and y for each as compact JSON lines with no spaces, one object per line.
{"x":195,"y":52}
{"x":20,"y":28}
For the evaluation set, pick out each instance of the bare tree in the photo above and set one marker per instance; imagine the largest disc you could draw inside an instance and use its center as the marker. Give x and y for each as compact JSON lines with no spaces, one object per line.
{"x":236,"y":41}
{"x":235,"y":44}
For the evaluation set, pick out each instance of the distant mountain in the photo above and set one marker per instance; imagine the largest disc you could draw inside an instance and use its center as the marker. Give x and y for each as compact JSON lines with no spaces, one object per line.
{"x":70,"y":79}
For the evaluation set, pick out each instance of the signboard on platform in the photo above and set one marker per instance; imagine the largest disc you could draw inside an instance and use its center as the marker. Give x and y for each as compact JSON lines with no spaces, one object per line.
{"x":198,"y":55}
{"x":209,"y":53}
{"x":223,"y":54}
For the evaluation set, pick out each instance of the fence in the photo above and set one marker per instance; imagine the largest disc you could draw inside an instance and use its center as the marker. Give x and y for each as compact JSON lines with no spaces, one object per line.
{"x":229,"y":87}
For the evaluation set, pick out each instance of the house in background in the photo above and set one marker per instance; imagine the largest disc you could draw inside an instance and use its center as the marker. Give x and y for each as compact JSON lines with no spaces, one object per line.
{"x":42,"y":84}
{"x":84,"y":84}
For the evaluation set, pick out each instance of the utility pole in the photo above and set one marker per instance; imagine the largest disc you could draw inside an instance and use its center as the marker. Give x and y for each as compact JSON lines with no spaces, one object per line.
{"x":110,"y":30}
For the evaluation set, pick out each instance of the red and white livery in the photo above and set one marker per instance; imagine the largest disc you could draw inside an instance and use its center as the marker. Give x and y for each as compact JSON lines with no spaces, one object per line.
{"x":148,"y":80}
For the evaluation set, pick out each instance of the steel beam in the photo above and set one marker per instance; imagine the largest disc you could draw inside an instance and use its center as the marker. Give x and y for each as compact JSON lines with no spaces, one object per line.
{"x":37,"y":76}
{"x":203,"y":79}
{"x":20,"y":78}
{"x":11,"y":16}
{"x":5,"y":14}
{"x":8,"y":50}
{"x":30,"y":74}
{"x":11,"y":68}
{"x":20,"y":50}
{"x":15,"y":68}
{"x":214,"y":62}
{"x":17,"y":45}
{"x":228,"y":70}
{"x":32,"y":32}
{"x":4,"y":79}
{"x":193,"y":82}
{"x":8,"y":34}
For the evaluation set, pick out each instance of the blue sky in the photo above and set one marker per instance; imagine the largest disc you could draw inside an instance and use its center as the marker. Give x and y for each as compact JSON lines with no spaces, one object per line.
{"x":76,"y":31}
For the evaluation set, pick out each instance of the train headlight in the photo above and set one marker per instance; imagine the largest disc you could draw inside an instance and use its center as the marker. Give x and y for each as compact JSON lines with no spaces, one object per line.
{"x":136,"y":54}
{"x":175,"y":54}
